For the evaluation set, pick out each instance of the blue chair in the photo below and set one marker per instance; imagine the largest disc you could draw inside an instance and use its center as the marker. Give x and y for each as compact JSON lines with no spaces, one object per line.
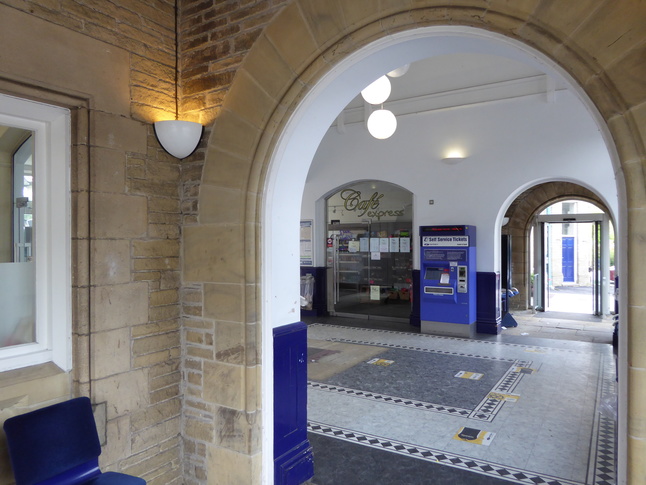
{"x":59,"y":445}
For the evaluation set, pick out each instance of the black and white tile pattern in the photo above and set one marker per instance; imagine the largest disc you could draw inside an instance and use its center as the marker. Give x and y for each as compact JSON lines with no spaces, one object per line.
{"x":558,"y":386}
{"x":603,"y":461}
{"x":373,"y":396}
{"x":438,"y":456}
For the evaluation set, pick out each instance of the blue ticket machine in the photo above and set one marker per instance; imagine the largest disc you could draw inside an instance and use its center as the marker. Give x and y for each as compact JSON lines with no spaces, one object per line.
{"x":448,"y":280}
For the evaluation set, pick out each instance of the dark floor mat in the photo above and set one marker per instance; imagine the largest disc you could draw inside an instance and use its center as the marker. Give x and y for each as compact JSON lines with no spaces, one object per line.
{"x":338,"y":462}
{"x":314,"y":354}
{"x":425,"y":376}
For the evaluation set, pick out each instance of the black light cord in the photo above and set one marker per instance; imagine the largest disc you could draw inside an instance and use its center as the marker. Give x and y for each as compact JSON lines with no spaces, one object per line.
{"x":176,"y":59}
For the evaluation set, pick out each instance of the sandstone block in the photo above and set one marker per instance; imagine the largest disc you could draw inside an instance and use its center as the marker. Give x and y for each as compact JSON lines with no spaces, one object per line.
{"x":229,"y":339}
{"x":107,"y":170}
{"x":118,"y":442}
{"x":164,"y":394}
{"x":118,"y":132}
{"x":149,"y":437}
{"x":224,"y":384}
{"x":637,"y":394}
{"x":237,"y":431}
{"x":119,"y":216}
{"x":213,"y":253}
{"x":110,"y":353}
{"x":225,"y":467}
{"x":123,"y":393}
{"x":110,"y":262}
{"x":199,"y":429}
{"x":119,"y":306}
{"x":164,"y":297}
{"x":147,"y":360}
{"x":224,"y":302}
{"x":152,"y":249}
{"x":155,"y":343}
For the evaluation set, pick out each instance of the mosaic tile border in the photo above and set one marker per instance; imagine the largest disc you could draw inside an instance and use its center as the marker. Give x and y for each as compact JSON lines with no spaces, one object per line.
{"x":444,"y":337}
{"x":419,"y":349}
{"x":489,"y":407}
{"x":373,"y":396}
{"x":603,"y":463}
{"x":453,"y":460}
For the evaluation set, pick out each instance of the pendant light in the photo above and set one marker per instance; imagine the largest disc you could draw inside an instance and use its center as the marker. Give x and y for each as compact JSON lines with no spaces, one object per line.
{"x":382,"y":124}
{"x":400,"y":71}
{"x":377,"y":92}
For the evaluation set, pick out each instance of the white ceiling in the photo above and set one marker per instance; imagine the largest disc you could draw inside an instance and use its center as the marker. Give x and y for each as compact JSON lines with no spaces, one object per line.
{"x":450,"y":80}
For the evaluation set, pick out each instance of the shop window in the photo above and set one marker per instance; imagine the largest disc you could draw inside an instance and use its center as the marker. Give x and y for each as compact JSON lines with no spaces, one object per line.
{"x":35,"y":261}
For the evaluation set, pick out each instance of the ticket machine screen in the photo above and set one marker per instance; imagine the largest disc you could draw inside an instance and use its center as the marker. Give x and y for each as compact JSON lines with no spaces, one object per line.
{"x":433,"y":273}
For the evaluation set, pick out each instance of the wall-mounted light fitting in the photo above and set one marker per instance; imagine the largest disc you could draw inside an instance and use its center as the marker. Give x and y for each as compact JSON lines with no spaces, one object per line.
{"x":454,"y":155}
{"x":178,"y":138}
{"x":453,"y":160}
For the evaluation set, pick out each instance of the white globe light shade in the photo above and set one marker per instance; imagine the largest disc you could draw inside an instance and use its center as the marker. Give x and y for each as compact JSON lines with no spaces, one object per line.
{"x":378,"y":91}
{"x":400,"y":71}
{"x":179,"y":138}
{"x":382,"y":124}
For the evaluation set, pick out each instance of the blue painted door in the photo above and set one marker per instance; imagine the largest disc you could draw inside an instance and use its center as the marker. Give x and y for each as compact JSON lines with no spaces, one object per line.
{"x":293,"y":460}
{"x":568,"y":259}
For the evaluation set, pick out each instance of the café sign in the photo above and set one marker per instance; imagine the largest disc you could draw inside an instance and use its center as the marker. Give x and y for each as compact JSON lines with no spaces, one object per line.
{"x":352,"y":201}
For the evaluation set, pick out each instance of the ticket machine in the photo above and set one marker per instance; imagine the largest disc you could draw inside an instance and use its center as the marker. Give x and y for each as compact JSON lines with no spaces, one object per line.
{"x":448,"y":280}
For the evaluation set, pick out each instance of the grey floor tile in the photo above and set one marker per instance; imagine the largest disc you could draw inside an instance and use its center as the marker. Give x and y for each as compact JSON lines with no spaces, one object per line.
{"x":548,"y":430}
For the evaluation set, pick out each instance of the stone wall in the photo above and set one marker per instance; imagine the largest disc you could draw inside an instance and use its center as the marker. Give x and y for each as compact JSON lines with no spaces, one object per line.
{"x":214,"y":39}
{"x":596,"y":42}
{"x":112,"y":65}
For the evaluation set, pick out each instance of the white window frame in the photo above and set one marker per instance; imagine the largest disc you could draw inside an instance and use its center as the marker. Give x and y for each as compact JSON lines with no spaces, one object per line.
{"x":52,"y":234}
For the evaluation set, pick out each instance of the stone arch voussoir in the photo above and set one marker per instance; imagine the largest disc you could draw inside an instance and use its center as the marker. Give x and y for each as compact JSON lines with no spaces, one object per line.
{"x":298,"y":47}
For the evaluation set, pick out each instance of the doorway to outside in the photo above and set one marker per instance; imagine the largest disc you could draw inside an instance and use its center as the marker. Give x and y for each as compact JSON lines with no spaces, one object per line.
{"x":573,"y":258}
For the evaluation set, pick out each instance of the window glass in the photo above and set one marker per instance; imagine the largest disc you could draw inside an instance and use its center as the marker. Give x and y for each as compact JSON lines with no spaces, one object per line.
{"x":17,"y":274}
{"x":572,"y":207}
{"x":35,"y":234}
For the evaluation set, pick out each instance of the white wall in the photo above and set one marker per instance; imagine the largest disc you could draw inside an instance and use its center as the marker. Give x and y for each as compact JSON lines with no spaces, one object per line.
{"x":510,"y":145}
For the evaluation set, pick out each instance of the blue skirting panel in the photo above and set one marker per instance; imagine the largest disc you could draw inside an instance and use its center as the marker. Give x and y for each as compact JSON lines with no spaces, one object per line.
{"x":488,"y":303}
{"x":293,"y":461}
{"x":415,"y":315}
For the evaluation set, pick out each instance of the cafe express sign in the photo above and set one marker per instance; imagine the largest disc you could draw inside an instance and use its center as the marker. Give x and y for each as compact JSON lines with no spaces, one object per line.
{"x":352,"y":201}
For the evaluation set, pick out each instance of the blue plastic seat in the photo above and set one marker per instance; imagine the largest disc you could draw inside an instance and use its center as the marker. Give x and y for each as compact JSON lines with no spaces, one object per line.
{"x":58,"y":445}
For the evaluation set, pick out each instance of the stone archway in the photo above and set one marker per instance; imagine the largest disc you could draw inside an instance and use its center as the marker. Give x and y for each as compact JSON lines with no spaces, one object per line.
{"x":521,"y":213}
{"x":223,"y":252}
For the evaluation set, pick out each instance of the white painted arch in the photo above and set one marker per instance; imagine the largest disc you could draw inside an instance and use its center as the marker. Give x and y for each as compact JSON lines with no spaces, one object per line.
{"x":303,"y":132}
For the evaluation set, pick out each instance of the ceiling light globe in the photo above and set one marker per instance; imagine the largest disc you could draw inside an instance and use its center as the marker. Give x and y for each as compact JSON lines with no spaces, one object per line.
{"x":378,"y":91}
{"x":400,"y":71}
{"x":382,"y":124}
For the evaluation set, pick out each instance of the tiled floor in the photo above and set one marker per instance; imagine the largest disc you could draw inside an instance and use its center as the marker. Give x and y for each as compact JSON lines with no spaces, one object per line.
{"x":385,"y":405}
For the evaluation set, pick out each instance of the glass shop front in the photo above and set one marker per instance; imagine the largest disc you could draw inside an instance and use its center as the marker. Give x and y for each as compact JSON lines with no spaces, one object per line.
{"x":369,"y":230}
